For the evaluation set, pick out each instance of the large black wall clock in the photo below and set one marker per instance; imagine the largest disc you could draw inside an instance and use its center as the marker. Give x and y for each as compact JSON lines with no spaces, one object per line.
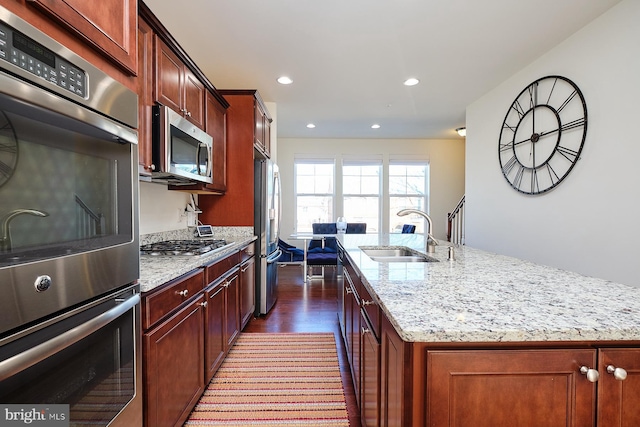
{"x":543,"y":134}
{"x":8,"y":149}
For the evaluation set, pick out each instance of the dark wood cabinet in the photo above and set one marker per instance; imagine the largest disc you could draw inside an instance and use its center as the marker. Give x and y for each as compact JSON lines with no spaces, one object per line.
{"x":173,"y":350}
{"x":215,"y":342}
{"x":504,"y":388}
{"x":618,"y":398}
{"x":236,"y":208}
{"x":109,"y":26}
{"x":370,"y":375}
{"x":176,"y":86}
{"x":392,"y":381}
{"x":247,"y":285}
{"x":216,"y":126}
{"x":232,"y":325}
{"x":145,"y":97}
{"x":262,"y":128}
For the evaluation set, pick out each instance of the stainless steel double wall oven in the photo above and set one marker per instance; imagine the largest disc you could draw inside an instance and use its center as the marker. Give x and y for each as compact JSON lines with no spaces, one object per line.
{"x":69,"y":299}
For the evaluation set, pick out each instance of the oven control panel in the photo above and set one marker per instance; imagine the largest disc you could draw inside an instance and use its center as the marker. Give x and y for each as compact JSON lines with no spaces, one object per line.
{"x":23,"y":52}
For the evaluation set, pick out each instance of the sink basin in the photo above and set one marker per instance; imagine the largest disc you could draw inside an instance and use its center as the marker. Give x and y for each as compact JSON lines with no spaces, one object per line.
{"x":395,"y":254}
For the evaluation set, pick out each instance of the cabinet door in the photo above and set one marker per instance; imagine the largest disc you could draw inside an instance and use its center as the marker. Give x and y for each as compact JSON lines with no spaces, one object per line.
{"x":258,"y":136}
{"x":174,"y":366}
{"x":194,"y":96}
{"x":216,"y":126}
{"x":169,"y":74}
{"x":618,"y":400}
{"x":370,"y":368}
{"x":215,"y":344}
{"x":145,"y":100}
{"x":247,"y":290}
{"x":391,"y":377}
{"x":107,"y":25}
{"x":505,"y":388}
{"x":232,"y":328}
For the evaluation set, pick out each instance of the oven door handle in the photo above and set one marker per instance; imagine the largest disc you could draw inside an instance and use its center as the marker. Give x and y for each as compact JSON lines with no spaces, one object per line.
{"x":30,"y":357}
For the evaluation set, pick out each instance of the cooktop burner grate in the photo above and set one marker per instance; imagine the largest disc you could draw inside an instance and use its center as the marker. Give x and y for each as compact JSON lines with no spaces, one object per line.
{"x":181,"y":247}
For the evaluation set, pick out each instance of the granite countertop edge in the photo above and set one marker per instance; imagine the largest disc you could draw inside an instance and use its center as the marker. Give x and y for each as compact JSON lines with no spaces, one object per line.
{"x":483,"y":297}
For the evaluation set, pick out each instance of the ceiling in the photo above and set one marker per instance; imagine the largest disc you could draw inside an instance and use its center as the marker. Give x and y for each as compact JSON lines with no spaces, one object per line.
{"x":349,"y":59}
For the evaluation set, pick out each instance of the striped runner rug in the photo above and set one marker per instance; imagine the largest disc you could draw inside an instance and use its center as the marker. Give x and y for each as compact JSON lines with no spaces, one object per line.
{"x":284,"y":379}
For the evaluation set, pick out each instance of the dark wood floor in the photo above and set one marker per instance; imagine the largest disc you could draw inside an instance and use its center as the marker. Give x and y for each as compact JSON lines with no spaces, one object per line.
{"x":310,"y":307}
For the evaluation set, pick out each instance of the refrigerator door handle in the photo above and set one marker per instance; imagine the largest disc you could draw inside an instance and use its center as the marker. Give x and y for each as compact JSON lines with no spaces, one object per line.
{"x":274,"y":256}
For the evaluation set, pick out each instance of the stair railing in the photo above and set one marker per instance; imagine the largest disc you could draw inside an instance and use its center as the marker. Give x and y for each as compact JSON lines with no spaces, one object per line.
{"x":455,"y":224}
{"x":88,"y":223}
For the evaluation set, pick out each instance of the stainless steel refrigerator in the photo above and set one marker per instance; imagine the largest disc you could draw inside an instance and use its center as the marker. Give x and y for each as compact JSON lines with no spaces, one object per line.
{"x":267,"y":207}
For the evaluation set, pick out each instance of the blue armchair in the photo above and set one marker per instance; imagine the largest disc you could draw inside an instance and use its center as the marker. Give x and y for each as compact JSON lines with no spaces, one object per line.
{"x":323,"y":252}
{"x":289,"y":253}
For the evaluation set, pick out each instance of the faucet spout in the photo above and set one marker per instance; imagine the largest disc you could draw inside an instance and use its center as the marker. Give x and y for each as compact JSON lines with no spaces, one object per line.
{"x":430,"y":241}
{"x":5,"y":239}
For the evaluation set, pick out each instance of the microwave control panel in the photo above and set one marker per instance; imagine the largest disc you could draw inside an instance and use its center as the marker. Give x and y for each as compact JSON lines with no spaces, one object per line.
{"x":23,"y":52}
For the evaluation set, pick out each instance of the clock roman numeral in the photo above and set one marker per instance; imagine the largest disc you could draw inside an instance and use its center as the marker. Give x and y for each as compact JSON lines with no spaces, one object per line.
{"x":574,"y":124}
{"x":5,"y":169}
{"x":568,"y":100}
{"x":553,"y":176}
{"x":518,"y":109}
{"x":509,"y":165}
{"x":517,"y":180}
{"x":567,"y":153}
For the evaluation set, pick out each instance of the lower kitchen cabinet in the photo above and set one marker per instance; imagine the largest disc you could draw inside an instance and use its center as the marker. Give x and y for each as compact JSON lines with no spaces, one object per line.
{"x":504,"y":388}
{"x":174,"y":365}
{"x":247,"y":285}
{"x":215,"y":341}
{"x":392,"y":378}
{"x":619,"y":387}
{"x":232,"y":318}
{"x":370,"y":375}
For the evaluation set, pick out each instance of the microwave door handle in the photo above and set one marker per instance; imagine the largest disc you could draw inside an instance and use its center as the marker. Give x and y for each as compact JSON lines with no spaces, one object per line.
{"x":209,"y":161}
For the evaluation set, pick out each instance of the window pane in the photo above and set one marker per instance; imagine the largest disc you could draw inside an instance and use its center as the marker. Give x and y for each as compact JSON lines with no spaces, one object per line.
{"x":407,"y":190}
{"x":312,"y":209}
{"x":397,"y":204}
{"x":363,"y":209}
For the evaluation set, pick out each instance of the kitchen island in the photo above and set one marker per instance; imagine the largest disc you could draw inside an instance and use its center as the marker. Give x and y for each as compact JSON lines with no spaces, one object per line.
{"x":486,"y":340}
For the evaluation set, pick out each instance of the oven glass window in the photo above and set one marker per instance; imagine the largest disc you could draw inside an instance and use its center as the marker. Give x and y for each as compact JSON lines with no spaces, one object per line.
{"x":65,"y":186}
{"x":95,"y":376}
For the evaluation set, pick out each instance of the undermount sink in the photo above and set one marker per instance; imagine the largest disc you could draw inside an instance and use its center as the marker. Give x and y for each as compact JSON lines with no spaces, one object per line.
{"x":395,"y":254}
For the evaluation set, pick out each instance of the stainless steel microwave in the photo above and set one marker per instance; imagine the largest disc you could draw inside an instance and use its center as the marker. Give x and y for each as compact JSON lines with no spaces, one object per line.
{"x":182,"y":152}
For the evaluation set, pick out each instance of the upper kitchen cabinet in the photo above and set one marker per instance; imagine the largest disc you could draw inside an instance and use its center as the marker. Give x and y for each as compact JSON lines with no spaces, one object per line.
{"x":236,"y":208}
{"x":109,"y":26}
{"x":216,"y":126}
{"x":177,"y":87}
{"x":262,"y":134}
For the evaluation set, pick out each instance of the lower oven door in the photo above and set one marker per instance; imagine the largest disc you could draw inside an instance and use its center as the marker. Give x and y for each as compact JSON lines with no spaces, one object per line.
{"x":88,"y":359}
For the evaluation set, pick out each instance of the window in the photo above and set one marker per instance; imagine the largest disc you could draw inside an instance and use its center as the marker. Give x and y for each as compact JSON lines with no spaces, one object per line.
{"x":314,"y":193}
{"x":361,"y":193}
{"x":408,"y":188}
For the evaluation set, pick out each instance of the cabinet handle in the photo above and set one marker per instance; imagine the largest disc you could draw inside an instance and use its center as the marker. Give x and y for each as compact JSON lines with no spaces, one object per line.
{"x":204,"y":304}
{"x":245,"y":269}
{"x":151,"y":167}
{"x":365,"y":330}
{"x":592,"y":374}
{"x":231,"y":280}
{"x":184,"y":293}
{"x":618,"y":373}
{"x":348,"y":290}
{"x":365,"y":302}
{"x":187,"y":113}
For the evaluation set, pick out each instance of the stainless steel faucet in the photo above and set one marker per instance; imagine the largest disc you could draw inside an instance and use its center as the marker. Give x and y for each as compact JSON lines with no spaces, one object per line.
{"x":5,"y":240}
{"x":430,"y":241}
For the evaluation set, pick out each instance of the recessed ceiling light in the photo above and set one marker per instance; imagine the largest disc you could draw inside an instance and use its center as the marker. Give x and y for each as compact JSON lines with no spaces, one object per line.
{"x":411,"y":82}
{"x":375,"y":126}
{"x":311,"y":125}
{"x":284,"y":80}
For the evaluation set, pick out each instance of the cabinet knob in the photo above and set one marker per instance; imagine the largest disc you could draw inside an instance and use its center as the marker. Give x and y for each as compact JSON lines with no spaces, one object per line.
{"x":365,"y":330}
{"x":187,"y":113}
{"x":365,"y":302}
{"x":348,"y":290}
{"x":618,"y":373}
{"x":204,"y":304}
{"x":151,"y":167}
{"x":183,"y":293}
{"x":591,"y":374}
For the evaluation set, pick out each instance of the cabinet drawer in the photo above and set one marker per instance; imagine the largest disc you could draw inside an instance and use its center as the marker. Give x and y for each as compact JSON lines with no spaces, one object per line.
{"x":162,"y":302}
{"x":371,"y":308}
{"x":220,"y":267}
{"x":247,"y":252}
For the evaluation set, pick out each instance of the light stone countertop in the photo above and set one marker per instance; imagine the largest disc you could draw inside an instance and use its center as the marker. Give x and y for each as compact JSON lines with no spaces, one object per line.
{"x":157,"y":270}
{"x":485,"y":297}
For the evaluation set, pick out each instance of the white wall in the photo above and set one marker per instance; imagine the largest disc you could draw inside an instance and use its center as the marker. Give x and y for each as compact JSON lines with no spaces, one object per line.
{"x":446,"y":158}
{"x":159,"y":208}
{"x":590,"y":223}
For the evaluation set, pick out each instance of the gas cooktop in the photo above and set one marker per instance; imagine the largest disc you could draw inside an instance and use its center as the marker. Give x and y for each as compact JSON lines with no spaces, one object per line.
{"x":181,"y":247}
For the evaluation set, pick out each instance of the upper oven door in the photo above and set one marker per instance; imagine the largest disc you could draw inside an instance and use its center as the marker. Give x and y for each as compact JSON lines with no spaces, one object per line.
{"x":182,"y":150}
{"x":68,"y":211}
